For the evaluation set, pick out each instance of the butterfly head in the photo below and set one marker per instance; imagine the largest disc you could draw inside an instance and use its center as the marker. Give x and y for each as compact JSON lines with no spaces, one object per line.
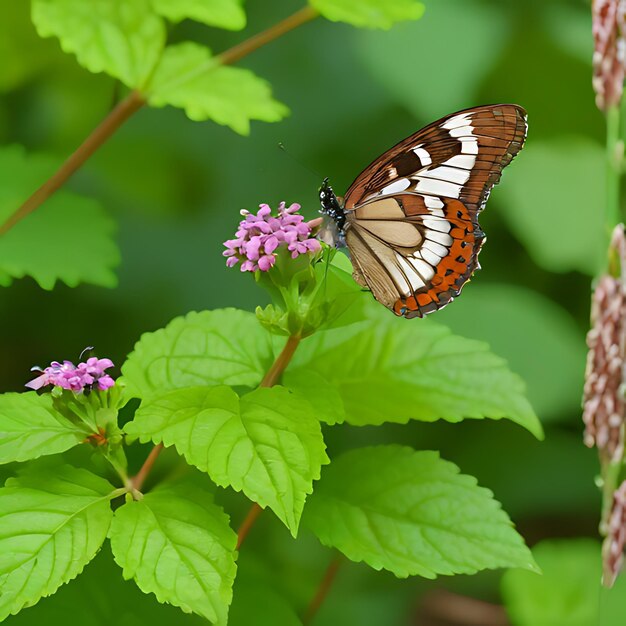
{"x":332,"y":232}
{"x":331,"y":205}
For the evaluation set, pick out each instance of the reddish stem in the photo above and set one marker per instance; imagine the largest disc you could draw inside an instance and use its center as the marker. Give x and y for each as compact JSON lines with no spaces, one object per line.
{"x":138,"y":481}
{"x":103,"y":131}
{"x":234,"y":54}
{"x":248,"y":523}
{"x":282,"y":360}
{"x":322,"y":591}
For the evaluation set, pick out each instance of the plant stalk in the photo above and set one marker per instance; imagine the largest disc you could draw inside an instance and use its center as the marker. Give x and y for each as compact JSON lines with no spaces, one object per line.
{"x":322,"y":590}
{"x":282,"y":360}
{"x":234,"y":54}
{"x":138,"y":481}
{"x":248,"y":523}
{"x":614,"y":163}
{"x":131,"y":104}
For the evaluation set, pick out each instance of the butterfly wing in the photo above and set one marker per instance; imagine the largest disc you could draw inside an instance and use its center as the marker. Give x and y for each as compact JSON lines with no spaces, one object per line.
{"x":414,"y":252}
{"x":412,"y":225}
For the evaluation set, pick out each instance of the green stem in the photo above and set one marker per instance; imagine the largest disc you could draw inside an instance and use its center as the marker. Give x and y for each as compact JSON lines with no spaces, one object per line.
{"x":610,"y":478}
{"x":117,"y":493}
{"x":614,"y":158}
{"x":120,"y":470}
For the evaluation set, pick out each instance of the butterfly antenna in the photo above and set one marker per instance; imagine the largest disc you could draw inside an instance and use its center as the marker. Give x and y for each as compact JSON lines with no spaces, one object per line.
{"x":87,"y":349}
{"x":300,"y":162}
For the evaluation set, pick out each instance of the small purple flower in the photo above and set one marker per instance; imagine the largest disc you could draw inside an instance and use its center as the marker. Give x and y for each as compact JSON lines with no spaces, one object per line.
{"x":90,"y":375}
{"x":260,"y":235}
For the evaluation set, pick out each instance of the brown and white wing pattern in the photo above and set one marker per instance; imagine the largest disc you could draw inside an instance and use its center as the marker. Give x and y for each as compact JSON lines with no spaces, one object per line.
{"x":461,"y":156}
{"x":412,"y":215}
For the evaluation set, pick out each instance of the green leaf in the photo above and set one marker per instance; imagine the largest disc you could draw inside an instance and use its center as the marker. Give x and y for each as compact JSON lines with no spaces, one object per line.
{"x":177,"y":543}
{"x":123,"y":38}
{"x":221,"y":13}
{"x":557,"y":205}
{"x":413,"y":514}
{"x":31,"y":427}
{"x":53,"y":523}
{"x":369,"y":13}
{"x":569,"y":593}
{"x":49,"y":244}
{"x":267,"y":444}
{"x":466,"y":66}
{"x":91,"y":599}
{"x":388,"y":370}
{"x":189,"y":78}
{"x":547,"y":348}
{"x":221,"y":347}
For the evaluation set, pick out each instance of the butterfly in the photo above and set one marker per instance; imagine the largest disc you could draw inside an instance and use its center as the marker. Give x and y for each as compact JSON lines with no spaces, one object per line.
{"x":410,"y":219}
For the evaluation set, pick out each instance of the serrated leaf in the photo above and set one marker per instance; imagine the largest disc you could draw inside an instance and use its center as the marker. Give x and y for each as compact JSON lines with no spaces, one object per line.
{"x":189,"y":78}
{"x":558,"y":206}
{"x":546,"y":340}
{"x":220,"y":347}
{"x":227,"y":14}
{"x":369,"y":13}
{"x":68,"y":238}
{"x":123,"y":38}
{"x":267,"y":443}
{"x":569,"y":593}
{"x":412,"y":513}
{"x":177,"y":543}
{"x":52,"y":524}
{"x":89,"y":596}
{"x":387,"y":370}
{"x":31,"y":427}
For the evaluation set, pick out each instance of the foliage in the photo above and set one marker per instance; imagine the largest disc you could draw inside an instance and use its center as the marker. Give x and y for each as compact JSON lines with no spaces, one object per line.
{"x":412,"y":513}
{"x":176,"y":543}
{"x":393,"y":362}
{"x":53,"y":524}
{"x":268,"y":443}
{"x":174,"y":187}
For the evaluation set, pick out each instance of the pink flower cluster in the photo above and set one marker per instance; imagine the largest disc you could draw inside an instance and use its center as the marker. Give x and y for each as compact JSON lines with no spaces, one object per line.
{"x":66,"y":375}
{"x":260,"y":235}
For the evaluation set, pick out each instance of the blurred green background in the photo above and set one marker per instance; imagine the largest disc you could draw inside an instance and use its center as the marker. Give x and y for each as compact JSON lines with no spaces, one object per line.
{"x":175,"y":188}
